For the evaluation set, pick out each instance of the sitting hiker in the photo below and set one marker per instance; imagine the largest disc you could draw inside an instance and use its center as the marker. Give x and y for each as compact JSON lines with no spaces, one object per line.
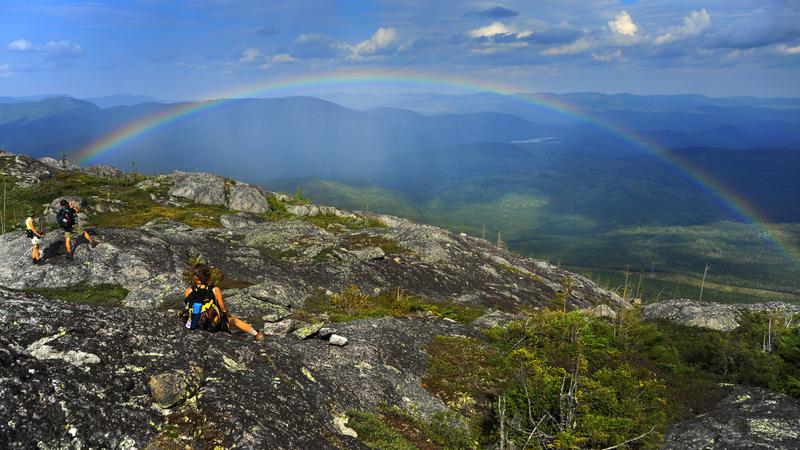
{"x":67,"y":219}
{"x":34,"y":235}
{"x":205,"y":309}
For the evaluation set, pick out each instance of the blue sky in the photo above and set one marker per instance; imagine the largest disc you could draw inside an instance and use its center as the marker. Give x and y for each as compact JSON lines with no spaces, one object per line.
{"x":192,"y":49}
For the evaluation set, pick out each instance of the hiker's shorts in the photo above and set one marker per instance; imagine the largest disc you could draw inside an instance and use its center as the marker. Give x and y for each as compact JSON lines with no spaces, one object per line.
{"x":35,"y":240}
{"x":76,"y":229}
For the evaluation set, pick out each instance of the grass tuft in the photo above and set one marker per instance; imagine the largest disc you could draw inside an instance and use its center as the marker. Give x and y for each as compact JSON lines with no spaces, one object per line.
{"x":353,"y":304}
{"x":97,"y":295}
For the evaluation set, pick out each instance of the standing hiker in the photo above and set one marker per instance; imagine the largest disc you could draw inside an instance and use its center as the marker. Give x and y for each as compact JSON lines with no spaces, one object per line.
{"x":67,"y":219}
{"x":34,"y":235}
{"x":205,"y":309}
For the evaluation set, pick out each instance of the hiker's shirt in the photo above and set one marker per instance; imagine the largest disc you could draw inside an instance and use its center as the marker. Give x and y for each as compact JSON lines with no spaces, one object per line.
{"x":30,"y":228}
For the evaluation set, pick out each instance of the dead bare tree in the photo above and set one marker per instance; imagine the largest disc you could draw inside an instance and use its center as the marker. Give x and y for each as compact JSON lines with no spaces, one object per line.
{"x":703,"y":283}
{"x":501,"y":411}
{"x":568,"y":398}
{"x":4,"y":207}
{"x":766,"y":345}
{"x":631,"y":440}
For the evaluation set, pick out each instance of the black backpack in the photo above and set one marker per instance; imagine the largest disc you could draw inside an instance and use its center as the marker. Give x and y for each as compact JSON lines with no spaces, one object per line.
{"x":202,"y":312}
{"x":65,"y":218}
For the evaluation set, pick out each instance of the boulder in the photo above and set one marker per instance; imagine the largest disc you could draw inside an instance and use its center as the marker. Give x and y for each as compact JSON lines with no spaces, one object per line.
{"x":25,"y":170}
{"x":102,"y":171}
{"x":715,"y":316}
{"x":303,"y":210}
{"x":170,"y":389}
{"x":247,"y":198}
{"x":55,"y":205}
{"x":149,"y":183}
{"x":240,"y":220}
{"x":57,"y":164}
{"x":199,"y":187}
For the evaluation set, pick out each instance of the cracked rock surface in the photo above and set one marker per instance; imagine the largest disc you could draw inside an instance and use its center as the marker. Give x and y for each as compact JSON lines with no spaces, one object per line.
{"x":748,"y":418}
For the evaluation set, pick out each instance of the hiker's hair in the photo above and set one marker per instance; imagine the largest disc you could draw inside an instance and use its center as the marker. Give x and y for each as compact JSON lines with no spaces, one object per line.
{"x":64,"y":202}
{"x":202,"y":272}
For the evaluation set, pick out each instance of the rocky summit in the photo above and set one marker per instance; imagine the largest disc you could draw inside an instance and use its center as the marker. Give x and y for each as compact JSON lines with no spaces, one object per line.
{"x":126,"y":373}
{"x":76,"y":376}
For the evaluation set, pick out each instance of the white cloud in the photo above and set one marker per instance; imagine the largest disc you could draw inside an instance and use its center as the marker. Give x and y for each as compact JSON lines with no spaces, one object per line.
{"x":282,"y":58}
{"x":608,"y":57}
{"x":20,"y":45}
{"x":5,"y":71}
{"x":63,"y":48}
{"x":191,"y":66}
{"x":581,"y":45}
{"x":623,"y":24}
{"x":693,"y":24}
{"x":53,"y":49}
{"x":251,"y":55}
{"x":490,"y":30}
{"x":381,"y":40}
{"x":786,"y":50}
{"x":499,"y":29}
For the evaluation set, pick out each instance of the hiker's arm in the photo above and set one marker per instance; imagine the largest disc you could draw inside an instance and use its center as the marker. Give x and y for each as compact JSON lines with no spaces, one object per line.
{"x":220,"y":302}
{"x":75,"y":207}
{"x":35,"y":231}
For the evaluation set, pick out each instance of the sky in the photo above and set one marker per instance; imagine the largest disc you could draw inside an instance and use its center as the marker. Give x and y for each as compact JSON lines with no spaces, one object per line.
{"x":194,"y":49}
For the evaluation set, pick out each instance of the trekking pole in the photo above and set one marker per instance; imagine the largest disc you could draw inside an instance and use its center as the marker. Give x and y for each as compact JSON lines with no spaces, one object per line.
{"x":24,"y":254}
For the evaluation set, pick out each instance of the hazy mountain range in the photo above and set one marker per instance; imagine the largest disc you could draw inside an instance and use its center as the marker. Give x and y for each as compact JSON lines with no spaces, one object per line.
{"x":552,"y":183}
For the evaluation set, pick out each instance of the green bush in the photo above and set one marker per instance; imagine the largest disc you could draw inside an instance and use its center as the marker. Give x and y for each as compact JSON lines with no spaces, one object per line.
{"x":393,"y":428}
{"x":582,"y":382}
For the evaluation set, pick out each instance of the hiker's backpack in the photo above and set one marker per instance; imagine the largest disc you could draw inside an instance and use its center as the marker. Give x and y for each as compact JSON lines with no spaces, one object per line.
{"x":65,"y":218}
{"x":201,"y":311}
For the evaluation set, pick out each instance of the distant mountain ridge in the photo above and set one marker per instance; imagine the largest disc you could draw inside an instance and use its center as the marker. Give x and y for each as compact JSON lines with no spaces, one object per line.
{"x":110,"y":101}
{"x":570,"y":188}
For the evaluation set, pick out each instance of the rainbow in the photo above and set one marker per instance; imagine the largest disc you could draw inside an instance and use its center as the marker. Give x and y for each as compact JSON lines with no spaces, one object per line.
{"x":136,"y":129}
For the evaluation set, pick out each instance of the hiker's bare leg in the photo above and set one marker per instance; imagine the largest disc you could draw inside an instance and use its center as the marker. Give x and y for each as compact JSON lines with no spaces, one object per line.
{"x":241,"y":324}
{"x":86,"y":235}
{"x":35,"y":252}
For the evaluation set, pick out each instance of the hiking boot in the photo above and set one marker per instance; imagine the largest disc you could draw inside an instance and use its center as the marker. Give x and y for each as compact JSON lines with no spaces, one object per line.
{"x":93,"y":243}
{"x":70,"y":256}
{"x":259,"y":336}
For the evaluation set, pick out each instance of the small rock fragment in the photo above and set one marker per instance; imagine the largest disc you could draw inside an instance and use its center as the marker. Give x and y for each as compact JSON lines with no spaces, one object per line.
{"x":337,"y":340}
{"x":308,"y":330}
{"x":308,"y":374}
{"x":340,"y":422}
{"x":325,"y":332}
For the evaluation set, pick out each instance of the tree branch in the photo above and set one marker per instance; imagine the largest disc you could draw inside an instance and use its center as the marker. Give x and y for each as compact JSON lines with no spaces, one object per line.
{"x":631,"y":440}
